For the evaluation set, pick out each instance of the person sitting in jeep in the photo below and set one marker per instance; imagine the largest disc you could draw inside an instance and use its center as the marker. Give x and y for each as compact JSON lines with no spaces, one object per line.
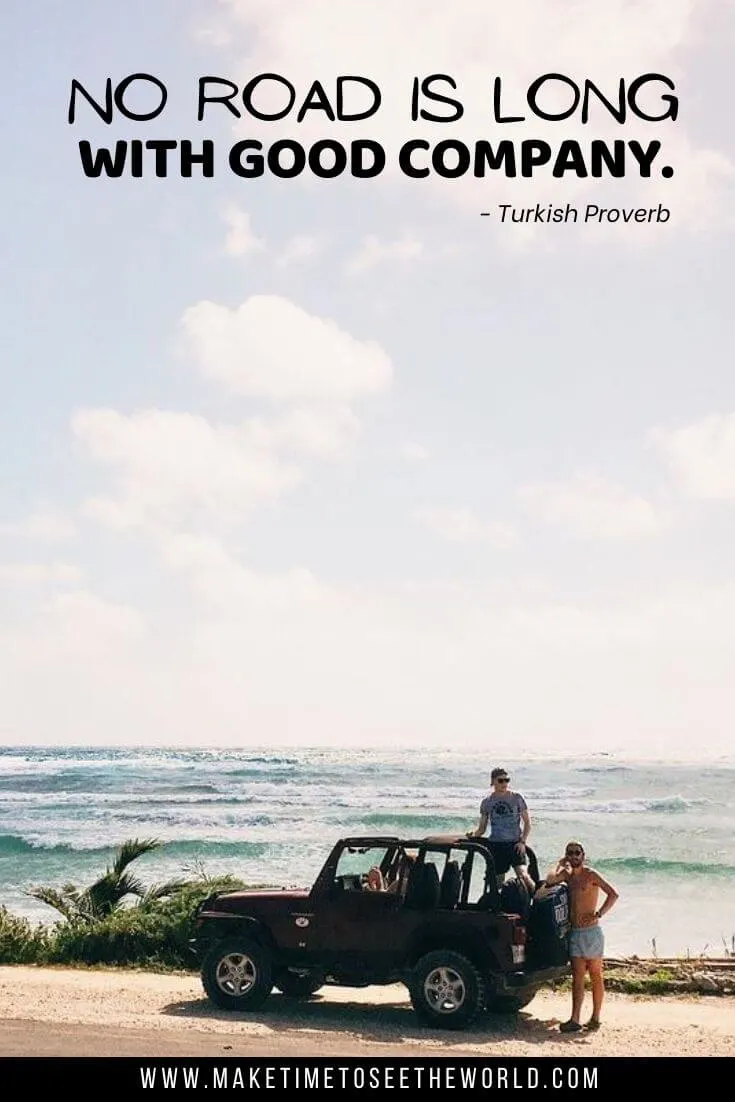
{"x":375,"y":881}
{"x":396,"y":879}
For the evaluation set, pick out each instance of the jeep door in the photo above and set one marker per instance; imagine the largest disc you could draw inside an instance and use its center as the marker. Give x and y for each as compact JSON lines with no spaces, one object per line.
{"x":361,"y":930}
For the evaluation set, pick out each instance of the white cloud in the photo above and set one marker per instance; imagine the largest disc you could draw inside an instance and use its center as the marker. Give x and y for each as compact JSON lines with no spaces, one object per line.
{"x":33,"y":573}
{"x":217,"y":575}
{"x":298,"y":250}
{"x":592,"y":507}
{"x":271,"y":348}
{"x":171,"y":467}
{"x":413,"y":452}
{"x":240,"y":240}
{"x":175,"y":469}
{"x":84,"y":615}
{"x":701,"y":456}
{"x":462,"y":525}
{"x":374,"y":252}
{"x":283,"y":658}
{"x":47,"y":525}
{"x":322,"y":431}
{"x":77,"y":626}
{"x":211,"y":30}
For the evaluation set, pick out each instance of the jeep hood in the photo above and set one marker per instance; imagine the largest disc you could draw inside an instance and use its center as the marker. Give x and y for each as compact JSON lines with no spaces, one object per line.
{"x":260,"y":901}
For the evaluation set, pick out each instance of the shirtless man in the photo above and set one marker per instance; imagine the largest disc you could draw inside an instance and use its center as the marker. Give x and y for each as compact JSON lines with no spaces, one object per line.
{"x":586,"y":942}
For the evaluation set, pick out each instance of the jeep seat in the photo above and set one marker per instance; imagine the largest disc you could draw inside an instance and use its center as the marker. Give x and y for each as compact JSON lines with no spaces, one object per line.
{"x":424,"y":888}
{"x":451,"y":883}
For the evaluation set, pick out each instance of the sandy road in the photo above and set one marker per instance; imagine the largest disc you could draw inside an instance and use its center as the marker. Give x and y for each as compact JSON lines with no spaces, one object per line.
{"x":64,"y":1012}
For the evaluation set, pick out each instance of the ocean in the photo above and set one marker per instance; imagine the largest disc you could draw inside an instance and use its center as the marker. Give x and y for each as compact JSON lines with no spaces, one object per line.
{"x":662,"y":833}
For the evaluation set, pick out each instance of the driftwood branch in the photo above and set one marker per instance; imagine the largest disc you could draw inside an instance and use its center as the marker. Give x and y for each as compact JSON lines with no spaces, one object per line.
{"x":726,"y":964}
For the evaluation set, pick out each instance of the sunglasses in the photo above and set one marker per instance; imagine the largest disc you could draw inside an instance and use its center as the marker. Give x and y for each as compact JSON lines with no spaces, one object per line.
{"x":574,"y":852}
{"x":502,"y":780}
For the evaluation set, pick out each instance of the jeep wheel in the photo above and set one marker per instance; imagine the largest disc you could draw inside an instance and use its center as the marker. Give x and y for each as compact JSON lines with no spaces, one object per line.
{"x":237,"y":974}
{"x":509,"y":1004}
{"x":295,"y":986}
{"x":446,"y":989}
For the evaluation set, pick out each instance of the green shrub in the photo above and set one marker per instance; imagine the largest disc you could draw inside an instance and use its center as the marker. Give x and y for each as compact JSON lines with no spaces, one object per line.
{"x":116,"y":919}
{"x":154,"y":934}
{"x":21,"y":942}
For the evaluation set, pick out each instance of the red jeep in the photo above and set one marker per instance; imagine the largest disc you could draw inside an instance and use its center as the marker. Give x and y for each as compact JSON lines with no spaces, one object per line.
{"x":441,"y":928}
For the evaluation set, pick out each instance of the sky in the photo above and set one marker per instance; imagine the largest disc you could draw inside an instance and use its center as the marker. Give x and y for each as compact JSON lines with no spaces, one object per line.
{"x":342,"y":462}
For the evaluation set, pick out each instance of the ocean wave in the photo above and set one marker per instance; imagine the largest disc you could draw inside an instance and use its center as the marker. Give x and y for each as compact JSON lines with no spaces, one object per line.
{"x":253,"y":759}
{"x":283,"y":772}
{"x":620,"y":807}
{"x":672,"y":803}
{"x":146,"y":821}
{"x":82,"y":781}
{"x":193,"y":846}
{"x":666,"y":868}
{"x":604,"y":769}
{"x":549,"y":795}
{"x":165,"y":791}
{"x":436,"y":822}
{"x":14,"y":845}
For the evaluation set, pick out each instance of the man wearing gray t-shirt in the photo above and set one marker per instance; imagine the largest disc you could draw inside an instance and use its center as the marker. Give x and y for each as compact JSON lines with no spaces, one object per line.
{"x":510,"y":825}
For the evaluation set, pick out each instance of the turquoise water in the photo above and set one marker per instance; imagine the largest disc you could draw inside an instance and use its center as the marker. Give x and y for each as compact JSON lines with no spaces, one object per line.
{"x":662,"y":833}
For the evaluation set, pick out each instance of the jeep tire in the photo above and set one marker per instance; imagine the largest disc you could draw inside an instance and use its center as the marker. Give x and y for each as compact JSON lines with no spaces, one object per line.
{"x":446,"y":989}
{"x":237,"y":974}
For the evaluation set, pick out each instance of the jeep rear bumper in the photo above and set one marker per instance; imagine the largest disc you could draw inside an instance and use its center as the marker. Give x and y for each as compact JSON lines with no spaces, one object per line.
{"x":510,"y":983}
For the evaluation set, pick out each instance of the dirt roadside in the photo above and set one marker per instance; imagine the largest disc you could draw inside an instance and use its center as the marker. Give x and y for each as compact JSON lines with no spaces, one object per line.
{"x":64,"y":1012}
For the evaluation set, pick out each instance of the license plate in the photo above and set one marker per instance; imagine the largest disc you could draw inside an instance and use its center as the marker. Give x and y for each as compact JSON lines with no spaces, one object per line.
{"x":519,"y":954}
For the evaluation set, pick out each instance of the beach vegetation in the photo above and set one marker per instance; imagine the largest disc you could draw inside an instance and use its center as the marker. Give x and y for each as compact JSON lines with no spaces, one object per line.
{"x":111,"y":891}
{"x":116,"y":920}
{"x":154,"y":934}
{"x":119,"y":921}
{"x":21,"y":941}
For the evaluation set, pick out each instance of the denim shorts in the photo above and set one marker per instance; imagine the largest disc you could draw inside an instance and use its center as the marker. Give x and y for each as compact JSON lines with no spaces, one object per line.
{"x":588,"y":942}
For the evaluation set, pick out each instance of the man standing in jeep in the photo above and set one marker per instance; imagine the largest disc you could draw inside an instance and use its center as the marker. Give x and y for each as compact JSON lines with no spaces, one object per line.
{"x":510,"y":825}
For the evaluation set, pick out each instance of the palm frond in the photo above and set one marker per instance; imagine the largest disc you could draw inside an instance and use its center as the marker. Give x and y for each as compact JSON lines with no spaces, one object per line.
{"x":128,"y":884}
{"x":131,"y":850}
{"x":52,"y":898}
{"x":107,"y":893}
{"x":71,"y":892}
{"x":161,"y":891}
